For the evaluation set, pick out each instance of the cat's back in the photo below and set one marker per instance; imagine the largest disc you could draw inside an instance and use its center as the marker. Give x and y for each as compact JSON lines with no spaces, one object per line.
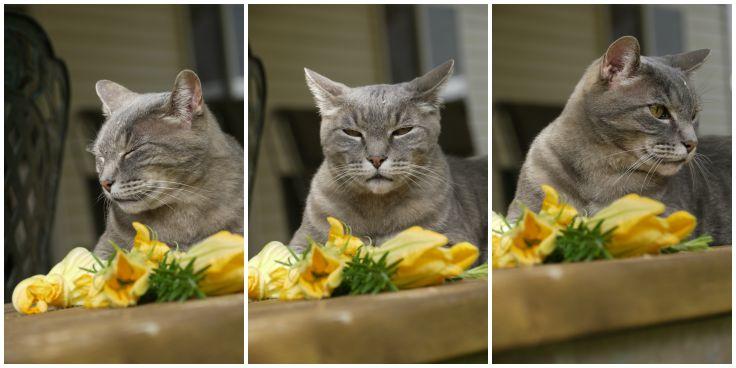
{"x":469,"y":178}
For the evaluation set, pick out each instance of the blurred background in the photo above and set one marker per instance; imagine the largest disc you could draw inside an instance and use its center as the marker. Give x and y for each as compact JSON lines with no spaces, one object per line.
{"x":541,"y":51}
{"x":356,"y":45}
{"x":142,"y":47}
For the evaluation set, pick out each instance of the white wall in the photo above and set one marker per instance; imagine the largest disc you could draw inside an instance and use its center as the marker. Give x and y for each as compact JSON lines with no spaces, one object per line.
{"x":343,"y":42}
{"x":473,"y":32}
{"x":707,"y":27}
{"x":141,"y":47}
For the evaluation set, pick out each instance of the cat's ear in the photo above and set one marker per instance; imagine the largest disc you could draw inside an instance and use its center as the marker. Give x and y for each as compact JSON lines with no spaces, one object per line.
{"x":325,"y":91}
{"x":621,"y":60}
{"x":428,"y":86}
{"x":186,"y":97}
{"x":112,"y":95}
{"x":686,"y":61}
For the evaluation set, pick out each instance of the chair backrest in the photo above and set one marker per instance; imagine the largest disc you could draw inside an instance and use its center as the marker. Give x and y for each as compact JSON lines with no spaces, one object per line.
{"x":36,"y":119}
{"x":256,"y":114}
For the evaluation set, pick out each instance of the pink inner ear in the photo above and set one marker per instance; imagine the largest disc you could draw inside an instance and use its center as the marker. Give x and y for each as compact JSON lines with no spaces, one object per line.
{"x":196,"y":103}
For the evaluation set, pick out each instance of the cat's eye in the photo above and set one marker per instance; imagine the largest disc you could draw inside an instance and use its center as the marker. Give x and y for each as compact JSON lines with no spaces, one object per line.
{"x":401,"y":131}
{"x":659,"y":112}
{"x":352,"y":133}
{"x":99,"y":161}
{"x":127,"y":153}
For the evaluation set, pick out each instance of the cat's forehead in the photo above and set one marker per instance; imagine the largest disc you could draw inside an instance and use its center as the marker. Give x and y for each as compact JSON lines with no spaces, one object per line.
{"x":379,"y":95}
{"x":117,"y":130}
{"x":675,"y":84}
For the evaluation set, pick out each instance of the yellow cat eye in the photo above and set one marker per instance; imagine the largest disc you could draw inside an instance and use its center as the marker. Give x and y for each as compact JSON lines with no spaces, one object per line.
{"x":659,"y":112}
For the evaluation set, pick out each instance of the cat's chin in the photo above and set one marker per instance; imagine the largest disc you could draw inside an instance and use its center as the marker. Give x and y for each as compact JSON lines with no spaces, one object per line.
{"x":134,"y":207}
{"x":670,"y":168}
{"x":379,"y":186}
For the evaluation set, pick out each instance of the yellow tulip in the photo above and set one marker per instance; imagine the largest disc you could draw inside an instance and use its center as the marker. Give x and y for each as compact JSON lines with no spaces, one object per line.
{"x":224,"y":253}
{"x":498,"y":224}
{"x":638,"y":229}
{"x":261,"y":266}
{"x":423,"y":259}
{"x":315,"y":277}
{"x":82,"y":288}
{"x":280,"y":286}
{"x":119,"y":285}
{"x":145,"y":243}
{"x":37,"y":293}
{"x":530,"y":241}
{"x":559,"y":212}
{"x":501,"y":256}
{"x":341,"y":239}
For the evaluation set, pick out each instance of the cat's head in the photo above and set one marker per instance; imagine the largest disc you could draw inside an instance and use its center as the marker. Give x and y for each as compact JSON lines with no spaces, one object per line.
{"x":149,"y":151}
{"x":379,"y":138}
{"x":645,"y":105}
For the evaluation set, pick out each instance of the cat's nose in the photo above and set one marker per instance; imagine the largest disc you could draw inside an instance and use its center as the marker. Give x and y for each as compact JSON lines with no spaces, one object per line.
{"x":106,"y":184}
{"x":689,"y":145}
{"x":377,"y":160}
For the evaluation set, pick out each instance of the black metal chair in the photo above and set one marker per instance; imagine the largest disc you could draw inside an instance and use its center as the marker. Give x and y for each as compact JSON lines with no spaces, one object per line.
{"x":36,"y":119}
{"x":256,"y":114}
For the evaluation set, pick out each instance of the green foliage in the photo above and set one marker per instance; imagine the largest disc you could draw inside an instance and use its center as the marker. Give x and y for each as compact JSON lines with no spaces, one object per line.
{"x":579,"y":243}
{"x":364,"y":275}
{"x":475,"y":273}
{"x":173,"y":282}
{"x":479,"y":272}
{"x":700,"y":243}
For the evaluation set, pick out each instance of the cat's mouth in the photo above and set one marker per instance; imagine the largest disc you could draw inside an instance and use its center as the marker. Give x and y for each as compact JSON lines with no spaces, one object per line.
{"x":379,"y":177}
{"x":126,"y":200}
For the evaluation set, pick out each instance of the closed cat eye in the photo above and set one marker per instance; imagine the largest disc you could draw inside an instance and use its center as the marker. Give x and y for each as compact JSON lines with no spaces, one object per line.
{"x":352,"y":133}
{"x":659,"y":112}
{"x":401,"y":131}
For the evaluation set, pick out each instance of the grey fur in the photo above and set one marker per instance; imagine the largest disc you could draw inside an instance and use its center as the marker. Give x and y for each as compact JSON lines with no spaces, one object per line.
{"x":166,"y":153}
{"x":444,"y":194}
{"x":606,"y":143}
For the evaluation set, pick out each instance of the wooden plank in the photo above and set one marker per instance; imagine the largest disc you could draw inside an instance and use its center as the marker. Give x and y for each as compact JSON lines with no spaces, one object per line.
{"x":699,"y":341}
{"x":196,"y":331}
{"x":550,"y":303}
{"x":421,"y":325}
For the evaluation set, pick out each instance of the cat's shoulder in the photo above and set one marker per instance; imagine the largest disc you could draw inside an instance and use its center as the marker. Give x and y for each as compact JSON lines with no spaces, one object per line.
{"x":477,"y":165}
{"x":716,"y":149}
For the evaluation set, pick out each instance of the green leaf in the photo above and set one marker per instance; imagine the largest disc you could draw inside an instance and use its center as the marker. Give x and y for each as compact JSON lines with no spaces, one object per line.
{"x":699,"y":244}
{"x":364,"y":275}
{"x":479,"y":272}
{"x":173,"y":282}
{"x":578,"y":242}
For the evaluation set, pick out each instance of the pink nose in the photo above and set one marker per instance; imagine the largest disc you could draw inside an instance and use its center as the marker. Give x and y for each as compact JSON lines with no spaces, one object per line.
{"x":689,"y":145}
{"x":106,"y":184}
{"x":377,"y":160}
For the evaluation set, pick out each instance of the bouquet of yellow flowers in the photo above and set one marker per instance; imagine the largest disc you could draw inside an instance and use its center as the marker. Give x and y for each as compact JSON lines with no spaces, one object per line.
{"x":415,"y":257}
{"x":628,"y":227}
{"x":150,"y":269}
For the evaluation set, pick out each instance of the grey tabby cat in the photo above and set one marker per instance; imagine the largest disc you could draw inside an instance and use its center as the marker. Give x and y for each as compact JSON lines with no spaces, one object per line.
{"x":384,"y":170}
{"x":629,"y":127}
{"x":163,"y":161}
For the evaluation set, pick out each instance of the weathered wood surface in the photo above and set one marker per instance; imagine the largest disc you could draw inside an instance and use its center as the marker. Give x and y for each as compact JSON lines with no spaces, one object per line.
{"x":693,"y":341}
{"x":421,"y":325}
{"x":552,"y":303}
{"x":196,"y":331}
